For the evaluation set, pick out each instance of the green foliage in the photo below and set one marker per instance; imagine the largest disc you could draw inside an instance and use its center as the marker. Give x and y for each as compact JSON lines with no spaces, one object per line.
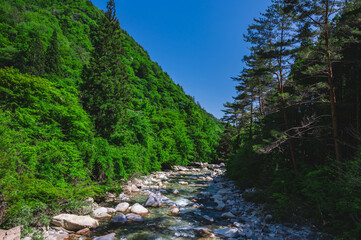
{"x":286,"y":141}
{"x":83,"y":107}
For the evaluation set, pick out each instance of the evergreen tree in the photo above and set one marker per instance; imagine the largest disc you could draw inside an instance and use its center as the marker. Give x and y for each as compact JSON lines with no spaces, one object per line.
{"x":104,"y":78}
{"x":32,"y":60}
{"x":52,"y":56}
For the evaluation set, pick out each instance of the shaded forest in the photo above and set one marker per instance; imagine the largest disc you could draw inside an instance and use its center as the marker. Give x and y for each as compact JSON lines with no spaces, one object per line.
{"x":293,"y":129}
{"x":83,"y":107}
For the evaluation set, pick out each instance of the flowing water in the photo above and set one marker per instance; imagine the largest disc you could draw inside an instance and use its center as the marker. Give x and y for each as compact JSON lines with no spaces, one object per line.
{"x":198,"y":217}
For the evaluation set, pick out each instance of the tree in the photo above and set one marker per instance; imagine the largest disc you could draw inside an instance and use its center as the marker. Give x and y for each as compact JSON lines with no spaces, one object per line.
{"x":322,"y":16}
{"x":104,"y":78}
{"x":32,"y":60}
{"x":272,"y":40}
{"x":52,"y":56}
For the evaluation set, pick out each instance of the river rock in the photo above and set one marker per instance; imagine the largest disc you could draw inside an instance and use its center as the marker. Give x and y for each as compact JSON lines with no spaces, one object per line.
{"x":183,"y":183}
{"x":206,"y":194}
{"x":220,"y":206}
{"x":227,"y":232}
{"x":110,"y":197}
{"x":205,"y":233}
{"x":167,"y":201}
{"x":83,"y":231}
{"x":74,"y":222}
{"x":120,"y":218}
{"x":58,"y":236}
{"x":174,"y":211}
{"x":101,"y":212}
{"x":208,"y":218}
{"x":139,"y":209}
{"x":122,"y":207}
{"x":137,"y":182}
{"x":217,"y":197}
{"x":11,"y":234}
{"x":106,"y":237}
{"x":161,"y":176}
{"x":134,"y":188}
{"x":227,"y":215}
{"x":111,"y":210}
{"x":209,"y":178}
{"x":268,"y":218}
{"x":175,"y":191}
{"x":123,"y":197}
{"x":235,"y":211}
{"x":134,"y":217}
{"x":153,"y":200}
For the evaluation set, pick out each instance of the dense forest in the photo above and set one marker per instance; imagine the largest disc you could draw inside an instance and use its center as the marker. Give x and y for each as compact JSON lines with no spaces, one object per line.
{"x":293,"y":129}
{"x":83,"y":107}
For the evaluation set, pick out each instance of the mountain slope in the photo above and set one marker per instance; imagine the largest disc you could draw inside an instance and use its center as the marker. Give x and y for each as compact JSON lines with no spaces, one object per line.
{"x":51,"y":150}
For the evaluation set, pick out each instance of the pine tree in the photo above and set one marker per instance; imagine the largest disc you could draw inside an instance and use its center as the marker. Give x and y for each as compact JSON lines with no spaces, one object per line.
{"x":323,"y":16}
{"x":271,"y":37}
{"x":52,"y":56}
{"x":104,"y":78}
{"x":32,"y":60}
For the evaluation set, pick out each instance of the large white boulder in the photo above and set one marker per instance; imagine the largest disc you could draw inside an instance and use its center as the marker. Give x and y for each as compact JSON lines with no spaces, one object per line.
{"x":74,"y":222}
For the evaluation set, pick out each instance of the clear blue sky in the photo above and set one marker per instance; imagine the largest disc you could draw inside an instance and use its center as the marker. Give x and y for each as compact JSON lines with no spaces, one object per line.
{"x":198,"y":43}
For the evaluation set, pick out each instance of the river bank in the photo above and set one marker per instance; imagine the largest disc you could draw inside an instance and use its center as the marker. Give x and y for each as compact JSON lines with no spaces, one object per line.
{"x":196,"y":202}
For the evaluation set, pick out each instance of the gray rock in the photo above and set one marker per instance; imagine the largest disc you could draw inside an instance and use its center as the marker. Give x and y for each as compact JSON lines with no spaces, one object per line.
{"x":268,"y":218}
{"x":106,"y":237}
{"x":134,"y":217}
{"x":122,"y":207}
{"x":120,"y":218}
{"x":123,"y":197}
{"x":167,"y":201}
{"x":208,"y":218}
{"x":227,"y":215}
{"x":220,"y":206}
{"x":266,"y":229}
{"x":153,"y":200}
{"x":227,"y":232}
{"x":249,"y":233}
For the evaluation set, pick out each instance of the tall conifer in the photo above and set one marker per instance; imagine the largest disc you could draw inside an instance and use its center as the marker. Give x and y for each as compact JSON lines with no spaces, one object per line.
{"x":104,"y":78}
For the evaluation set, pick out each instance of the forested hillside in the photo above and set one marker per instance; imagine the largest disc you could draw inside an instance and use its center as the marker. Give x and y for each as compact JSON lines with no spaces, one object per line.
{"x":83,"y":107}
{"x":294,"y":127}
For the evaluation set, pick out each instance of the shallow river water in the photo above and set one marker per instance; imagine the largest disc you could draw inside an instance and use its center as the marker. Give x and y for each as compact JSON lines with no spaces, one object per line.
{"x":198,"y":217}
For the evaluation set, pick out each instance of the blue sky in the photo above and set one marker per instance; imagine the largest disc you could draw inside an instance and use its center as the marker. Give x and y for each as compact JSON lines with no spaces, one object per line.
{"x":198,"y":43}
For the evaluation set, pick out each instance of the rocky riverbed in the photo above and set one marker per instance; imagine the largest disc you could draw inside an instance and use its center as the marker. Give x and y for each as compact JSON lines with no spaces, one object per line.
{"x":196,"y":202}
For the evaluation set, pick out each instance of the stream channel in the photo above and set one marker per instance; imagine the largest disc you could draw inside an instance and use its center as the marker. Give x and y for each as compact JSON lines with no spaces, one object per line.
{"x":210,"y":207}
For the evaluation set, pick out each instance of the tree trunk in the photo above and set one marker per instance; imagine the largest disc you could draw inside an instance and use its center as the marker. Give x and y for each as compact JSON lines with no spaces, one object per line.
{"x":251,"y":122}
{"x":331,"y":87}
